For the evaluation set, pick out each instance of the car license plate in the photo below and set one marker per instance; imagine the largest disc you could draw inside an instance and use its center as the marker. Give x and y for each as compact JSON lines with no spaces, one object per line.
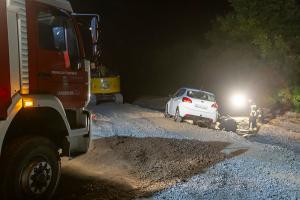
{"x":201,"y":106}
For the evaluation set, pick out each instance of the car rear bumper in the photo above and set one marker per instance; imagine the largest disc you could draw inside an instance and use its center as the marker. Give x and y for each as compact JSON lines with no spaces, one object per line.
{"x":195,"y":114}
{"x":198,"y":119}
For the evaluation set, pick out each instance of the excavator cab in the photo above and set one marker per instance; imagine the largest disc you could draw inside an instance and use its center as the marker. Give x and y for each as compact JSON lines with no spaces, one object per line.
{"x":105,"y":85}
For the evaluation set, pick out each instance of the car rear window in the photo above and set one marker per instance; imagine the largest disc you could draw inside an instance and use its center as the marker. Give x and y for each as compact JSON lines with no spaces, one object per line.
{"x":201,"y":95}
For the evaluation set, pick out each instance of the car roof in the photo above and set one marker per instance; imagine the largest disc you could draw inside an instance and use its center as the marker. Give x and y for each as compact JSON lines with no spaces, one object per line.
{"x":197,"y":90}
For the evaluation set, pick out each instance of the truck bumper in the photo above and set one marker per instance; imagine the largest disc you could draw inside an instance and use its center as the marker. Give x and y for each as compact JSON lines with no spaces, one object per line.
{"x":80,"y":139}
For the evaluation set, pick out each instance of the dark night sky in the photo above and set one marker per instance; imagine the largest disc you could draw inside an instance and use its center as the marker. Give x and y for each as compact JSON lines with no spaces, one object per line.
{"x":154,"y":44}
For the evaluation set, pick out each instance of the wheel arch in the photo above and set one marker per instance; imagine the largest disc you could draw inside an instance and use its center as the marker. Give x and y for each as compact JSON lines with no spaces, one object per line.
{"x":41,"y":121}
{"x":46,"y":118}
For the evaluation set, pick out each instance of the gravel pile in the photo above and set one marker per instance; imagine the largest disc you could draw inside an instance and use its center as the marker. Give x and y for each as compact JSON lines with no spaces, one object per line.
{"x":270,"y":169}
{"x":274,"y":174}
{"x":140,"y":166}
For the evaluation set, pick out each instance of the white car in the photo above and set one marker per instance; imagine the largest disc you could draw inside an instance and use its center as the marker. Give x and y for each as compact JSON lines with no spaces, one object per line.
{"x":193,"y":104}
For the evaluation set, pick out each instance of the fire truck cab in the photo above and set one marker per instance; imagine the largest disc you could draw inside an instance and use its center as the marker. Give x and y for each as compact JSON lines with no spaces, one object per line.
{"x":44,"y":89}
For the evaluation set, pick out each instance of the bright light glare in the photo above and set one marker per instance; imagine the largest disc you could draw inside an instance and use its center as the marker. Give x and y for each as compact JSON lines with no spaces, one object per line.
{"x":27,"y":103}
{"x":239,"y":101}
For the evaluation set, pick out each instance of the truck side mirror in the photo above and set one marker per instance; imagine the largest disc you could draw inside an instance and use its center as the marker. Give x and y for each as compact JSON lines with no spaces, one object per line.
{"x":95,"y":30}
{"x":90,"y":27}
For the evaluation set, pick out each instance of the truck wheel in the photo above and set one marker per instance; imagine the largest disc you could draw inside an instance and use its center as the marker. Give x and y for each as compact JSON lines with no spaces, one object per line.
{"x":177,"y":117}
{"x":31,"y":169}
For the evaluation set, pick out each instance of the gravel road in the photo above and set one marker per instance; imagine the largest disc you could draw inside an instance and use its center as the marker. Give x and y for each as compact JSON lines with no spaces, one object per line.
{"x":240,"y":169}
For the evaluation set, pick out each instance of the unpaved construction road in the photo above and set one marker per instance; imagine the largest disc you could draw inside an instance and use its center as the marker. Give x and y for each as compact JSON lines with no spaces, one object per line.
{"x":137,"y":154}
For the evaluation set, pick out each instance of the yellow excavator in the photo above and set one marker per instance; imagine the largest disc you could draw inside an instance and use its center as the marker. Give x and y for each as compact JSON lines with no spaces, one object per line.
{"x":105,"y":85}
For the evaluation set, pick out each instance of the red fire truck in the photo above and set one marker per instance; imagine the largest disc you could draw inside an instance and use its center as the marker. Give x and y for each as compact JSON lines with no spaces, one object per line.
{"x":44,"y":89}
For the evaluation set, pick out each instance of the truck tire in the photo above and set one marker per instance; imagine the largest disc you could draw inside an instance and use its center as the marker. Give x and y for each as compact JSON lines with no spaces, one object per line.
{"x":31,"y":169}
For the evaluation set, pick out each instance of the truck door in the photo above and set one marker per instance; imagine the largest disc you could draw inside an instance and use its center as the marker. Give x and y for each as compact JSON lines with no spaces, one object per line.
{"x":5,"y":88}
{"x":60,"y":69}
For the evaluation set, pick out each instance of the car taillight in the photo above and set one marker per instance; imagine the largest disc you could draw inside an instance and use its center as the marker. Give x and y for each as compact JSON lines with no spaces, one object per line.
{"x":187,"y":100}
{"x":215,"y":105}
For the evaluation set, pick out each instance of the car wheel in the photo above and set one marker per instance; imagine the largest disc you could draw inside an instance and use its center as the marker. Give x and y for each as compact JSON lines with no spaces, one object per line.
{"x":177,"y":117}
{"x":32,"y":169}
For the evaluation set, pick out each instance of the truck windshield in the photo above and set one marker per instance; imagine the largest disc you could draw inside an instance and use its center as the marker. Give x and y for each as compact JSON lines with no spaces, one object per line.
{"x":201,"y":95}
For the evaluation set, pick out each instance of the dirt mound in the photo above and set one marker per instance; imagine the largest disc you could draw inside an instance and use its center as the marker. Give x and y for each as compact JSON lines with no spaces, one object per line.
{"x":126,"y":167}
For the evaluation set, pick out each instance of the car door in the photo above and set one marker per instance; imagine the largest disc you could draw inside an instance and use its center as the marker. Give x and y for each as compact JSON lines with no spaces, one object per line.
{"x":60,"y":69}
{"x":176,"y":100}
{"x":171,"y":105}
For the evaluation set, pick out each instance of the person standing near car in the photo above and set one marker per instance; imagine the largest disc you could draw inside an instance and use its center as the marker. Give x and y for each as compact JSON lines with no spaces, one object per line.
{"x":260,"y":115}
{"x":253,"y":118}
